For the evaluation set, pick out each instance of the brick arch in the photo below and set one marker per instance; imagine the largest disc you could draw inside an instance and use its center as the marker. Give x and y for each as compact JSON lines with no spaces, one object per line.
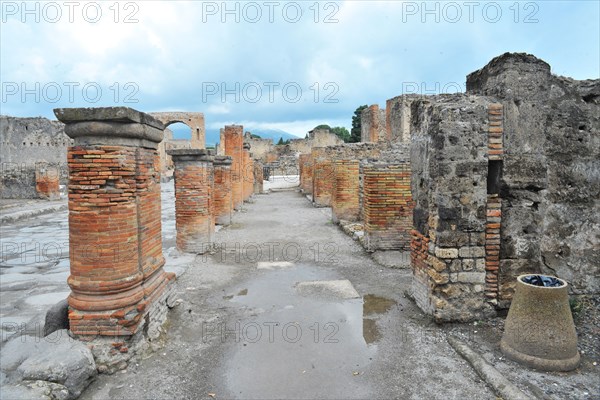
{"x":194,"y":120}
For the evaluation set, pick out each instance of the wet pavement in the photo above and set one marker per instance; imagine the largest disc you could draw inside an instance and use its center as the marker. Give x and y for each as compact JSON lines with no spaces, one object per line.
{"x":290,"y":307}
{"x":287,"y":306}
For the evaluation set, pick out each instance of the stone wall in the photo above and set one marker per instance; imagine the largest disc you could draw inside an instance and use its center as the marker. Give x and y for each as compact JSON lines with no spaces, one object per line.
{"x":316,"y":138}
{"x":550,"y":175}
{"x":31,"y":147}
{"x":397,"y":117}
{"x":505,"y":182}
{"x":260,"y":147}
{"x":449,"y":187}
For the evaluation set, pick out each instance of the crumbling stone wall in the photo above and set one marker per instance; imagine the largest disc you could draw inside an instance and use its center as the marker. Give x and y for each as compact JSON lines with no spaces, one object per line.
{"x":449,"y":187}
{"x":260,"y":147}
{"x":550,"y":179}
{"x":397,"y":117}
{"x":316,"y":138}
{"x":505,"y":182}
{"x":33,"y":153}
{"x":373,"y":125}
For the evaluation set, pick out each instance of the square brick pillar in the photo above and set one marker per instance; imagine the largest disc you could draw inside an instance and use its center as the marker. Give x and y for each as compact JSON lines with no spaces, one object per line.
{"x":344,"y":200}
{"x":247,"y":172}
{"x":306,"y":172}
{"x":194,"y":182}
{"x":233,"y":136}
{"x":388,"y":206}
{"x":222,"y":206}
{"x":47,"y":182}
{"x":258,"y":176}
{"x":322,"y":177}
{"x":117,"y":279}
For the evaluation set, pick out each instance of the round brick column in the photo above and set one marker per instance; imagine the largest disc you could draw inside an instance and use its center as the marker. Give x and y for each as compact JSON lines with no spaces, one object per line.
{"x":194,"y":181}
{"x":114,"y":218}
{"x":222,"y":205}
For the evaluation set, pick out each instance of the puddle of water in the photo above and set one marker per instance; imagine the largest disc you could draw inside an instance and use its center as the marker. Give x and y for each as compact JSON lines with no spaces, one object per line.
{"x":376,"y":305}
{"x":289,"y":345}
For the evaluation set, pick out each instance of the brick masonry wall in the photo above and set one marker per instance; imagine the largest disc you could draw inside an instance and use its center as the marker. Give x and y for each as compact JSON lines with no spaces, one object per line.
{"x":494,"y":207}
{"x":322,"y":165}
{"x":344,"y":200}
{"x":234,"y":140}
{"x":388,"y":207}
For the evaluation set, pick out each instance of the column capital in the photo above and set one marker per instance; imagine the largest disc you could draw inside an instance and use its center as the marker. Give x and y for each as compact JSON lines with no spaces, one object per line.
{"x":120,"y":126}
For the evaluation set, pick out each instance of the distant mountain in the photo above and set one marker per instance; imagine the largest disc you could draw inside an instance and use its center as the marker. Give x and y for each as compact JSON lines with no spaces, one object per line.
{"x":213,"y":136}
{"x":181,"y":131}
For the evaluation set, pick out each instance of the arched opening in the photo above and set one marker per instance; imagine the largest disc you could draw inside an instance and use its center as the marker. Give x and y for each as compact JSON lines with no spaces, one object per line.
{"x":180,"y":131}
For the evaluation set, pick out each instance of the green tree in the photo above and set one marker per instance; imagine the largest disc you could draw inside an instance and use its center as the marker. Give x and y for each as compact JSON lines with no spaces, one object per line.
{"x":280,"y":141}
{"x":342,"y":133}
{"x":356,"y":125}
{"x":323,"y":126}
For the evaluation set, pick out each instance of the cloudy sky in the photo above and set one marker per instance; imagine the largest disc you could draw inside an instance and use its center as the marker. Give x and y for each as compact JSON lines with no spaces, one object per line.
{"x":273,"y":64}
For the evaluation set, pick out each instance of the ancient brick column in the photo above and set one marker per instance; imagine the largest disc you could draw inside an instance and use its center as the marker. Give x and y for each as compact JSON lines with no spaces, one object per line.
{"x":322,"y":177}
{"x":305,"y":167}
{"x":222,"y":206}
{"x":258,"y":176}
{"x":117,"y":276}
{"x":388,"y":206}
{"x":247,"y":172}
{"x":194,"y":180}
{"x":234,"y":140}
{"x":47,"y":182}
{"x":345,"y":197}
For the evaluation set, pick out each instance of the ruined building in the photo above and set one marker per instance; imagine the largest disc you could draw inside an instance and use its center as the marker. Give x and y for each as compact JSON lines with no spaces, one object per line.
{"x":503,"y":180}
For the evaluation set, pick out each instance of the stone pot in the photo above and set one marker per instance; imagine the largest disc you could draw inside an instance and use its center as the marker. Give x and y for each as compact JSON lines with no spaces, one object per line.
{"x":539,"y":330}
